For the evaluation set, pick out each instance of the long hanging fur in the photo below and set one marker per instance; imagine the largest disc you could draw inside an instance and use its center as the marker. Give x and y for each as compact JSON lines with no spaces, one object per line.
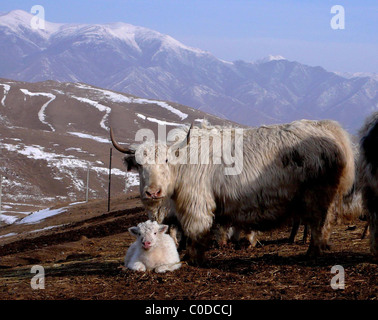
{"x":289,"y":171}
{"x":368,"y":176}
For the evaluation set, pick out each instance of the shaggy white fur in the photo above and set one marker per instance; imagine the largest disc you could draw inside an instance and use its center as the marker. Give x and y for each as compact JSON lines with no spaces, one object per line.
{"x":153,"y":249}
{"x":284,"y":171}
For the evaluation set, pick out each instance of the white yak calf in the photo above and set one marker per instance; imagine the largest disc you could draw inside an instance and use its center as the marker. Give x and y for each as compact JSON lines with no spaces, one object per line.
{"x":153,"y":249}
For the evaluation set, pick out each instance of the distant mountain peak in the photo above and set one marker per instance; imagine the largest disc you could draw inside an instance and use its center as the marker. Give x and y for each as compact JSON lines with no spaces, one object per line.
{"x":149,"y":64}
{"x":271,"y":58}
{"x":17,"y":14}
{"x":15,"y":18}
{"x":350,"y":75}
{"x":19,"y":21}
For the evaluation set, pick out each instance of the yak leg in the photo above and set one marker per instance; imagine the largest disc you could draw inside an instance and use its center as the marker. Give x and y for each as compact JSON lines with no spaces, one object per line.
{"x":173,"y":233}
{"x":252,"y":238}
{"x":197,"y":226}
{"x":314,"y":249}
{"x":373,"y":225}
{"x":320,"y":230}
{"x":327,"y":230}
{"x":221,"y":234}
{"x":321,"y":213}
{"x":372,"y":205}
{"x":334,"y":211}
{"x":197,"y":244}
{"x":234,"y":234}
{"x":305,"y":234}
{"x":294,"y":230}
{"x":363,"y":235}
{"x":196,"y":250}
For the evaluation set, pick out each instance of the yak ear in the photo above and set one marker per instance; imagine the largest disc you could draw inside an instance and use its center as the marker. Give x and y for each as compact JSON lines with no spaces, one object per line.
{"x":134,"y":231}
{"x":130,"y":162}
{"x":163,"y":228}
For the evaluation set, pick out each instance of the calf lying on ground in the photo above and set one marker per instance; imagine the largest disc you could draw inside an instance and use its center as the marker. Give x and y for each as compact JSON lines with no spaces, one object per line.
{"x":164,"y":212}
{"x":153,"y":249}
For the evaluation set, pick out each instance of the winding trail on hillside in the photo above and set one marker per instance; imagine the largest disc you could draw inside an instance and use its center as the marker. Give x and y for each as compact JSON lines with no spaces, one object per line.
{"x":41,"y":112}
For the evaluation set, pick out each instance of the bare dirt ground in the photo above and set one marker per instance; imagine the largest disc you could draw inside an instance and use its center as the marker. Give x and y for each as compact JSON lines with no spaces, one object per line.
{"x":82,"y":259}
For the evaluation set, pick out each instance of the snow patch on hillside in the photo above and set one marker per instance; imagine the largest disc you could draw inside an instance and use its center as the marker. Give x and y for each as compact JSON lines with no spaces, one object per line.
{"x":161,"y":122}
{"x":88,"y":136}
{"x":6,"y":90}
{"x":41,"y":113}
{"x":66,"y":165}
{"x":8,"y":234}
{"x":120,"y":98}
{"x":41,"y":215}
{"x":270,"y":58}
{"x":163,"y":105}
{"x":99,"y":107}
{"x":132,"y":179}
{"x":7,"y":219}
{"x":112,"y":96}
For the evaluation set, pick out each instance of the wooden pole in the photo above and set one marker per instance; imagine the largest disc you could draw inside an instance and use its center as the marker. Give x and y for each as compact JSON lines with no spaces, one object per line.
{"x":1,"y":189}
{"x":86,"y":195}
{"x":110,"y":178}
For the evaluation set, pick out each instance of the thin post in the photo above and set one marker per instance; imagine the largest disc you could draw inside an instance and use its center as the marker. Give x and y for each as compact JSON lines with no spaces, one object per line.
{"x":1,"y":189}
{"x":86,"y":195}
{"x":110,"y":178}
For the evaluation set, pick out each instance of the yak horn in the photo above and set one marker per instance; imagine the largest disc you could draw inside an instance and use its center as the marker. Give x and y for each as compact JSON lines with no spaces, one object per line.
{"x":118,"y":146}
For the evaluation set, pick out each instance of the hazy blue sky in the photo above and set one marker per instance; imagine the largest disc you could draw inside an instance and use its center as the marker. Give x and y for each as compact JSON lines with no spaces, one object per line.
{"x":241,"y":29}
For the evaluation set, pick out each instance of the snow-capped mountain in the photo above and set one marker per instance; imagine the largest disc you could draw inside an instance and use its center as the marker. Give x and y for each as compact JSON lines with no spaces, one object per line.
{"x":51,"y":132}
{"x":148,"y":64}
{"x":270,"y":58}
{"x":350,"y":75}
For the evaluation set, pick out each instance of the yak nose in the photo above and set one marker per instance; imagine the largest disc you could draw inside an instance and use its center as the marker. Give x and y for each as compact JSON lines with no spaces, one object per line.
{"x":146,"y":244}
{"x":153,"y":193}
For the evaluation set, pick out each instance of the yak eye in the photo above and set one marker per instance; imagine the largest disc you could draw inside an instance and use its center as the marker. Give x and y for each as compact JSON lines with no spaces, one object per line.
{"x":166,"y":160}
{"x":155,"y":233}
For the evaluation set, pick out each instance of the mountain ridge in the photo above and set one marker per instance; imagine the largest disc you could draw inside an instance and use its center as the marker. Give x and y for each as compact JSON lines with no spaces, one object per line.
{"x":146,"y":63}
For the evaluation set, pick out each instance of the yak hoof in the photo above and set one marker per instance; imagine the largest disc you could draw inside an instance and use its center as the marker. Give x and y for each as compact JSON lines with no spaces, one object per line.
{"x":193,"y":260}
{"x":313,"y":252}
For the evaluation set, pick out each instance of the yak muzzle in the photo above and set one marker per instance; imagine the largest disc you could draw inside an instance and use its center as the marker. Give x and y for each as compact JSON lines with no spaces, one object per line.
{"x":153,"y":194}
